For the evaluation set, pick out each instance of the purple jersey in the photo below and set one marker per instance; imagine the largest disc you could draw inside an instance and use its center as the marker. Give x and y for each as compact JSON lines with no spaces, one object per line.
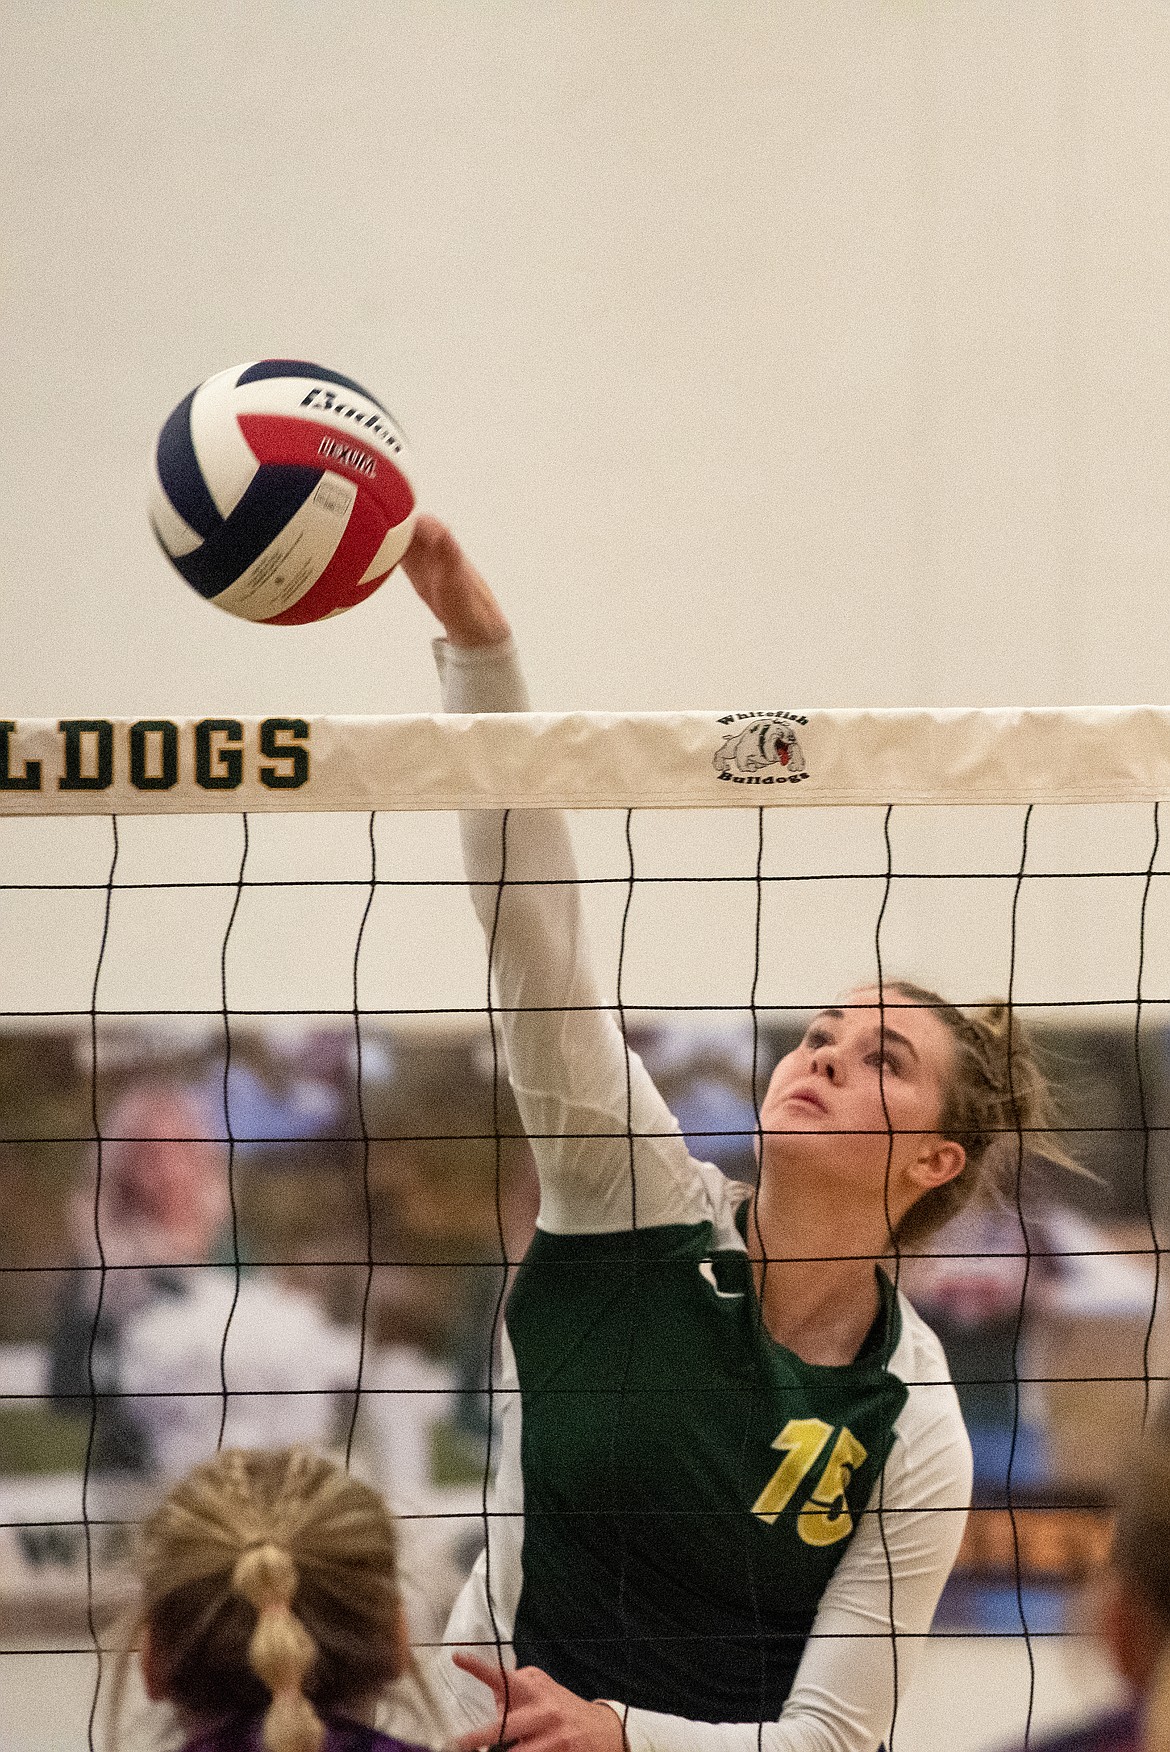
{"x":1119,"y":1731}
{"x":340,"y":1736}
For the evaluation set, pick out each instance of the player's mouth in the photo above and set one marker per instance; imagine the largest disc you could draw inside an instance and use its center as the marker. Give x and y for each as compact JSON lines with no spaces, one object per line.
{"x":806,"y":1096}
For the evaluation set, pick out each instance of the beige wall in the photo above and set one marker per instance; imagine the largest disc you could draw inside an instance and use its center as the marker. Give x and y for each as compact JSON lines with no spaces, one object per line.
{"x":764,"y":352}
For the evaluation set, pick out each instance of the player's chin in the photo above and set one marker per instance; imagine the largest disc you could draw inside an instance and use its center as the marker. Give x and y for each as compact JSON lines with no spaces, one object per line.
{"x":798,"y":1145}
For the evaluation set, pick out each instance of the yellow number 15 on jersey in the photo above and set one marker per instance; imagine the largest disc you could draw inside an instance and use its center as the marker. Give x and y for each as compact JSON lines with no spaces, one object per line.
{"x":824,"y":1518}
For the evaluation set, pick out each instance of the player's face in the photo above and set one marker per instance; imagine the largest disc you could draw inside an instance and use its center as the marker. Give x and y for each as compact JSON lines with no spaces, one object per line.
{"x":862,"y":1072}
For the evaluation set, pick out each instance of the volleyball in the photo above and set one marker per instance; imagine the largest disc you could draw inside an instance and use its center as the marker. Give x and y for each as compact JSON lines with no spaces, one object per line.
{"x":282,"y":491}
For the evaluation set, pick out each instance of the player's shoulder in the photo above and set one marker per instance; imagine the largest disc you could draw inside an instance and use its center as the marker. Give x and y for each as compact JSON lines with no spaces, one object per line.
{"x":918,"y":1355}
{"x":930,"y":1463}
{"x":932,"y":1409}
{"x":730,"y":1206}
{"x":700,"y":1192}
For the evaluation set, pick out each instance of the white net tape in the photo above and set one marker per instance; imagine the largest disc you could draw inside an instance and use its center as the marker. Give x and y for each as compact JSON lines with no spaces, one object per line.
{"x":584,"y":760}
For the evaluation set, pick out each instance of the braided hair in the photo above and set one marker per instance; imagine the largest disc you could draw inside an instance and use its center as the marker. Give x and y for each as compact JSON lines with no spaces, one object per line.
{"x":269,"y":1586}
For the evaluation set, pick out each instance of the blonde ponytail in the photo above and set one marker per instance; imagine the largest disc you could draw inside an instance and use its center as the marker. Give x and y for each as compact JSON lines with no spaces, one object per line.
{"x":269,"y":1588}
{"x":281,"y":1652}
{"x":998,"y":1104}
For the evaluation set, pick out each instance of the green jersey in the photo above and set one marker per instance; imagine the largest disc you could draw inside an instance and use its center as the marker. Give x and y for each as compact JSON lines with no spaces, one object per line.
{"x":689,"y":1520}
{"x":690,"y":1486}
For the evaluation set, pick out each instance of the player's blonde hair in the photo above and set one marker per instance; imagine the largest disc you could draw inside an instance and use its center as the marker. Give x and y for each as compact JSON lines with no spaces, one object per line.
{"x":998,"y":1104}
{"x":269,"y":1584}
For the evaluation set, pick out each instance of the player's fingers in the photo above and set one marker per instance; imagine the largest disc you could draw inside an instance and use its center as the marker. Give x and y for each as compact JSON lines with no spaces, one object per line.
{"x":489,"y":1673}
{"x":521,"y":1721}
{"x":452,"y":588}
{"x":512,"y":1729}
{"x":520,"y":1726}
{"x":540,"y":1740}
{"x":485,"y":1736}
{"x":432,"y":553}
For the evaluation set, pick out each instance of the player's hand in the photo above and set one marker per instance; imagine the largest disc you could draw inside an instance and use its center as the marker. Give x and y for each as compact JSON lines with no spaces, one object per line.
{"x":536,"y":1714}
{"x":451,"y":587}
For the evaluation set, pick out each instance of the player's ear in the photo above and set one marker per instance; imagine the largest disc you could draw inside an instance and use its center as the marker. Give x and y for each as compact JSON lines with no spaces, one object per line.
{"x":1132,"y":1633}
{"x":152,"y":1674}
{"x":401,"y":1641}
{"x":939,"y":1160}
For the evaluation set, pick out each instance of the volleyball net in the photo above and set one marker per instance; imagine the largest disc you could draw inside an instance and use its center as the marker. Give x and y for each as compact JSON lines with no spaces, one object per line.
{"x":265,"y":1180}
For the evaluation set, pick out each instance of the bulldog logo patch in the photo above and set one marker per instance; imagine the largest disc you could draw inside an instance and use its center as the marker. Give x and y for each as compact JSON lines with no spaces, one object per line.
{"x":761,"y":748}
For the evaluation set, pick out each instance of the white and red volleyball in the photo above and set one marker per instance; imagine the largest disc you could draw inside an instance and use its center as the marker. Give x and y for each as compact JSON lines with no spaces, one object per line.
{"x":281,"y":491}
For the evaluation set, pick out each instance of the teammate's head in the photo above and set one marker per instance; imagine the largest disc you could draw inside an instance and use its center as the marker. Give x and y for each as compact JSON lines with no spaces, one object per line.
{"x":904,"y":1102}
{"x":269,"y":1586}
{"x":1136,"y":1599}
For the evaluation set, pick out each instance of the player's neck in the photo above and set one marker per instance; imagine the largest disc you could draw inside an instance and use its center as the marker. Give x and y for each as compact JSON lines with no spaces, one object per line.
{"x":818,"y":1291}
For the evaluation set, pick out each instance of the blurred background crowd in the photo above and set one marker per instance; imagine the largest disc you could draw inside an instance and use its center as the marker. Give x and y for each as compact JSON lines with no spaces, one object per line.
{"x":268,"y":1223}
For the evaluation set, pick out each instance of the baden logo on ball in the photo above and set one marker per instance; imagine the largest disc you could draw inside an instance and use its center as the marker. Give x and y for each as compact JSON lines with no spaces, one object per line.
{"x":282,"y":492}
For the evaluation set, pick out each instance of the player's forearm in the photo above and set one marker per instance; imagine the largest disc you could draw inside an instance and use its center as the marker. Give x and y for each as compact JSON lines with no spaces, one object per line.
{"x":579,"y":1096}
{"x":647,"y":1731}
{"x":537,"y":934}
{"x":538,"y":950}
{"x":565,"y":1056}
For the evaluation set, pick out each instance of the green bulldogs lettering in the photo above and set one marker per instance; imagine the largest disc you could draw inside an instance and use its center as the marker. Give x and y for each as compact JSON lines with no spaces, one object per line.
{"x":156,"y":754}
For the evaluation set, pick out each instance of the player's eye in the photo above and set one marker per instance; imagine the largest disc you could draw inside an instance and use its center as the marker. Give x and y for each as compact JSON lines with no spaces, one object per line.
{"x":887,"y":1059}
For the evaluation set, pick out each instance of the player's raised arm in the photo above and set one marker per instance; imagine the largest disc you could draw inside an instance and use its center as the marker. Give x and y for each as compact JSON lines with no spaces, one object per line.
{"x":453,"y":589}
{"x":580,"y":1095}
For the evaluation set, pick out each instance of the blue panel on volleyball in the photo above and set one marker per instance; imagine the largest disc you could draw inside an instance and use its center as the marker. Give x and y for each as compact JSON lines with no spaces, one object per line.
{"x":301,"y":368}
{"x":180,"y":473}
{"x":272,"y":497}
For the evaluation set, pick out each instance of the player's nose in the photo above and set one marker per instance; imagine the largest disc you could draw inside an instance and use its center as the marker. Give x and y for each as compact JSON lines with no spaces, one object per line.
{"x":825,"y":1063}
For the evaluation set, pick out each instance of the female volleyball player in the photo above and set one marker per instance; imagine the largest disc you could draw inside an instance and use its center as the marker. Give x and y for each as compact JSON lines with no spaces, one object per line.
{"x":269,"y":1614}
{"x":732,"y":1456}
